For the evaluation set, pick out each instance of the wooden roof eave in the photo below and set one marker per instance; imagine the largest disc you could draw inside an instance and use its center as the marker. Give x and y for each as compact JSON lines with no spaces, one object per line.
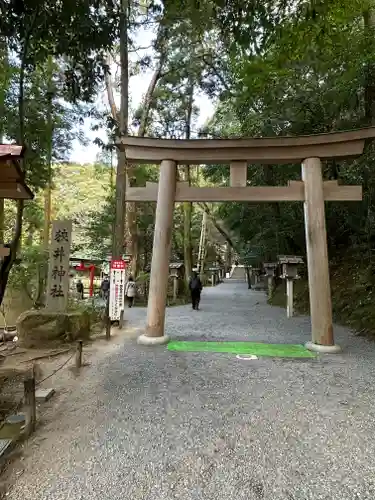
{"x":16,"y":189}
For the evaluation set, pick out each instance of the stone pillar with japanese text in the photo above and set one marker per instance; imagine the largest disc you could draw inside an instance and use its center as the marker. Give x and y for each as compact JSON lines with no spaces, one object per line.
{"x":58,"y":266}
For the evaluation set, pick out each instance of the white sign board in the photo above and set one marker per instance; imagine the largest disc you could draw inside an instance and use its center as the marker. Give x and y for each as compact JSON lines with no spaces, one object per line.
{"x":117,"y":289}
{"x":58,"y":267}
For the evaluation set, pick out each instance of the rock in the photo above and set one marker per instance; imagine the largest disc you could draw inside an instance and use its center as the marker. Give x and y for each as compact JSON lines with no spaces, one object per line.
{"x":43,"y":395}
{"x":4,"y":446}
{"x":36,"y":328}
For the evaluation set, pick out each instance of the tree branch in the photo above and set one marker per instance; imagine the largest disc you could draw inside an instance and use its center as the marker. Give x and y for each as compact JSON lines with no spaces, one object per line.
{"x":218,"y":226}
{"x":109,"y":89}
{"x":217,"y":74}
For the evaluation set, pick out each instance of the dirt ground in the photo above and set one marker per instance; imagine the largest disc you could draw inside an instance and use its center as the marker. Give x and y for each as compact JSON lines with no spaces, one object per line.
{"x":54,"y":368}
{"x":152,"y":423}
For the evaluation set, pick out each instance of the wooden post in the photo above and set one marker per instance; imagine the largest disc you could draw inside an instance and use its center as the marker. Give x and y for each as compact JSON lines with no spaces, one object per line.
{"x":160,"y":256}
{"x":30,"y":403}
{"x":175,"y":287}
{"x":289,"y":298}
{"x":121,"y":321}
{"x":270,"y":287}
{"x":238,"y":174}
{"x":248,"y":277}
{"x":107,"y":320}
{"x":317,"y":258}
{"x":78,"y":359}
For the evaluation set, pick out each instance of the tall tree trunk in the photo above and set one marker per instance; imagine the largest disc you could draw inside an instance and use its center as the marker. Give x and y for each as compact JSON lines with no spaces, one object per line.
{"x":30,"y":236}
{"x":269,"y":179}
{"x":2,"y":220}
{"x":42,"y":275}
{"x":128,"y":239}
{"x":48,"y":189}
{"x":132,"y":230}
{"x":369,"y":91}
{"x":369,"y":100}
{"x":202,"y":245}
{"x":218,"y":226}
{"x":2,"y":211}
{"x":7,"y":263}
{"x":188,"y":206}
{"x":118,"y":236}
{"x":147,"y":101}
{"x":3,"y":89}
{"x":228,"y":258}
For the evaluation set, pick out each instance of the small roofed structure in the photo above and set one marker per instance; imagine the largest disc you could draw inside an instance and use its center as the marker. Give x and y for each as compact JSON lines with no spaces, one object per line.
{"x":177,"y":269}
{"x":12,"y":179}
{"x":289,"y":264}
{"x":177,"y":274}
{"x":215,"y":276}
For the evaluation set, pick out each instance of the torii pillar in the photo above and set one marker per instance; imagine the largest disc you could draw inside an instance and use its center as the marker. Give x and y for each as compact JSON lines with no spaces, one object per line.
{"x":317,"y":259}
{"x":157,"y":296}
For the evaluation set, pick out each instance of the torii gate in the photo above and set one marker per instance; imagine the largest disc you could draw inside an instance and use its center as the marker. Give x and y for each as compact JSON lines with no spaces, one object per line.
{"x":238,"y":153}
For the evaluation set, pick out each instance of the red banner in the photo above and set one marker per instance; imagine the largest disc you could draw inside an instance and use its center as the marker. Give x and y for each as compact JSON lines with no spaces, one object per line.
{"x":118,"y":264}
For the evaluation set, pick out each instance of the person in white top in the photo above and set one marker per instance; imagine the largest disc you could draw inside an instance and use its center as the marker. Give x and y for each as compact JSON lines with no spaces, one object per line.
{"x":130,"y":291}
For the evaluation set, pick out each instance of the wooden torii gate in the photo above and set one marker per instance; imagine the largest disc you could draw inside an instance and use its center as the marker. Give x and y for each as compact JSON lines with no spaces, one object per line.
{"x":238,"y":153}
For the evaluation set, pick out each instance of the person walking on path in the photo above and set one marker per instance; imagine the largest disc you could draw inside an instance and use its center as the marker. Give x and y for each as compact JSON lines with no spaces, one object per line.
{"x":104,"y":288}
{"x":130,"y":290}
{"x":80,"y":289}
{"x":195,"y":286}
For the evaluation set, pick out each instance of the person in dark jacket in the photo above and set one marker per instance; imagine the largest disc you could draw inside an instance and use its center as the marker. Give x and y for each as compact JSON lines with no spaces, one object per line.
{"x":80,"y":289}
{"x":195,"y":286}
{"x":104,"y":288}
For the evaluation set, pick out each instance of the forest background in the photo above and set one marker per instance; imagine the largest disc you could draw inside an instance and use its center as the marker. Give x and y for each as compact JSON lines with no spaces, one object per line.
{"x":270,"y":68}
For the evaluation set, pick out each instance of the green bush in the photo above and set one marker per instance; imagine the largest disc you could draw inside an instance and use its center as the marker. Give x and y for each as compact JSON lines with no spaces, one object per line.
{"x":29,"y":273}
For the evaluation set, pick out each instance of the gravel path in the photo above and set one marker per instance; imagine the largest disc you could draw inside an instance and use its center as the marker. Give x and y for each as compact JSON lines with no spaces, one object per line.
{"x":145,"y":423}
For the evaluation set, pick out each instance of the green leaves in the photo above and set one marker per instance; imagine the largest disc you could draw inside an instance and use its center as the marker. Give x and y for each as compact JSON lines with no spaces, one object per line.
{"x":309,"y":72}
{"x":79,"y":32}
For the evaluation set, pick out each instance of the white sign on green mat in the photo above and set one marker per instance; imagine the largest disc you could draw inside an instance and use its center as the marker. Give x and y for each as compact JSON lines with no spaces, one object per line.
{"x":247,"y":358}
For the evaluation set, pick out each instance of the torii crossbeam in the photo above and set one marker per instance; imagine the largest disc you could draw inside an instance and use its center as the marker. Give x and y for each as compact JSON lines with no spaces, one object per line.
{"x":238,"y":153}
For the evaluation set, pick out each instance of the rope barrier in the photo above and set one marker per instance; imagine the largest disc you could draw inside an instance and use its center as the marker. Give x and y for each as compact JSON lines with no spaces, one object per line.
{"x":55,"y":371}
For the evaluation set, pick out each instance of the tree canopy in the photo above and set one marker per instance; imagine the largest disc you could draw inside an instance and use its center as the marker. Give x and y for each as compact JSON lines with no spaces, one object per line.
{"x":272,"y":68}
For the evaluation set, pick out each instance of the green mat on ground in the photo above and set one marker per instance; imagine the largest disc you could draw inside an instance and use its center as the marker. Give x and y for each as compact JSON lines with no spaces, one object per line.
{"x":259,"y":349}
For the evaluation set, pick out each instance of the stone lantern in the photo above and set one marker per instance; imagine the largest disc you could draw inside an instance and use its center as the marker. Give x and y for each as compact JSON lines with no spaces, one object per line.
{"x":289,"y":272}
{"x":270,"y":269}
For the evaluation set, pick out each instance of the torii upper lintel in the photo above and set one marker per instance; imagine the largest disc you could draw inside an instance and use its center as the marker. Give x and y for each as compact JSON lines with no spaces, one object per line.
{"x":267,"y":150}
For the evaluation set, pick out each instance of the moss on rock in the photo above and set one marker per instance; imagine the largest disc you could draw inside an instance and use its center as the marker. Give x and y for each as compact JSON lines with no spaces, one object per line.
{"x":36,"y":328}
